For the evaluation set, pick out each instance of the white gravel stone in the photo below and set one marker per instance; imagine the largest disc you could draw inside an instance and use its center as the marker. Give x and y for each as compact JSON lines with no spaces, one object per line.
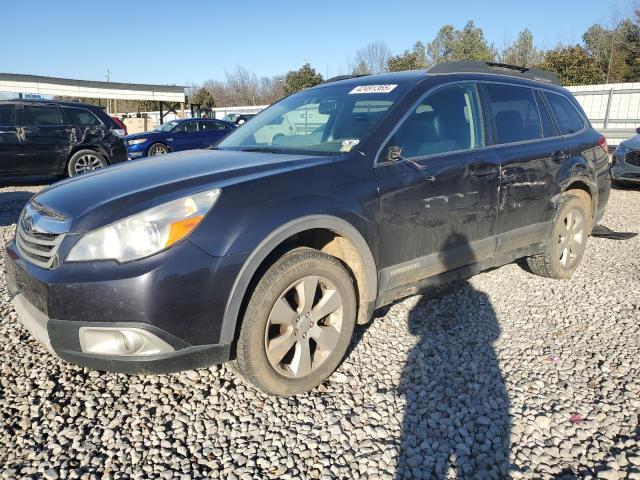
{"x":504,"y":375}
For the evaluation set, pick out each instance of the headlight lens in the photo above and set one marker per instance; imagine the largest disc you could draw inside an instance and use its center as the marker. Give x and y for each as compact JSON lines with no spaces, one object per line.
{"x":145,"y":233}
{"x":622,"y":149}
{"x":136,"y":141}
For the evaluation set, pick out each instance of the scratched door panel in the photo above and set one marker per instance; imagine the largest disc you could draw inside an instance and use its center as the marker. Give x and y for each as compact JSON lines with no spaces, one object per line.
{"x":437,"y":204}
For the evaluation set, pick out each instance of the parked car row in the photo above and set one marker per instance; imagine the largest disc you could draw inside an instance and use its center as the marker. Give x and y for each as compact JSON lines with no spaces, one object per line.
{"x":40,"y":137}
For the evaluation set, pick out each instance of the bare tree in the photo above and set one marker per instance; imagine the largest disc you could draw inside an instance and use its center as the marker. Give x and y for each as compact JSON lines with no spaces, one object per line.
{"x":372,"y":58}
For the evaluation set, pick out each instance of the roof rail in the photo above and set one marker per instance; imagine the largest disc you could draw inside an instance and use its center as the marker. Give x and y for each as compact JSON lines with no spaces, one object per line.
{"x":496,"y":69}
{"x":343,"y":77}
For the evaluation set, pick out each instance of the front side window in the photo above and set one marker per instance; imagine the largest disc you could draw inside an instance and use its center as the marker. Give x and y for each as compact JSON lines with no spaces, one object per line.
{"x":82,"y":117}
{"x":515,"y":113}
{"x":41,"y":116}
{"x":211,"y":126}
{"x":328,"y":120}
{"x":447,"y":120}
{"x":188,"y":127}
{"x":569,"y":120}
{"x":7,"y":115}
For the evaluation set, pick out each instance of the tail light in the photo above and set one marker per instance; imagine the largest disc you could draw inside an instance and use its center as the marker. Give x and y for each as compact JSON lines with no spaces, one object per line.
{"x":602,"y":141}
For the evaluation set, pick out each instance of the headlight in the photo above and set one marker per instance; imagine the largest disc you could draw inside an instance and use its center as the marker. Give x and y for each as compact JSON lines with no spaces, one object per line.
{"x":146,"y":232}
{"x":622,"y":149}
{"x":137,"y":141}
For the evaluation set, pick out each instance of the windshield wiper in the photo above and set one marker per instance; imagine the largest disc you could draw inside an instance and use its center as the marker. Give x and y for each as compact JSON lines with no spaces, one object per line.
{"x":262,"y":149}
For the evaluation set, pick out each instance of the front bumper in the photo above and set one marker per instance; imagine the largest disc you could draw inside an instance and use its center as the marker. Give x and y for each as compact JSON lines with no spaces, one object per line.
{"x":626,"y":170}
{"x":169,"y":298}
{"x":137,"y":151}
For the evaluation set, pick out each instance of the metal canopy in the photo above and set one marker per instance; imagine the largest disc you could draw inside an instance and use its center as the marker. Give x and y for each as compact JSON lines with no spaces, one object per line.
{"x":11,"y":82}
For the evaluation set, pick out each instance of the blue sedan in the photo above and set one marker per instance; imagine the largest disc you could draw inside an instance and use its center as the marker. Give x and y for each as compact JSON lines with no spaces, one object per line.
{"x":177,"y":135}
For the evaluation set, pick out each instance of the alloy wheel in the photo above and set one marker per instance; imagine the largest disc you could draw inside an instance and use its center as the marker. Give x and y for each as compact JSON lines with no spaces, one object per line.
{"x":157,"y":150}
{"x":571,"y":237}
{"x":87,"y":163}
{"x":304,"y":326}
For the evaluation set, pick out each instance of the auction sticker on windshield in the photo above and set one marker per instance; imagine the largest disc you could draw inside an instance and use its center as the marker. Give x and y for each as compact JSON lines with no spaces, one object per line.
{"x":373,"y":89}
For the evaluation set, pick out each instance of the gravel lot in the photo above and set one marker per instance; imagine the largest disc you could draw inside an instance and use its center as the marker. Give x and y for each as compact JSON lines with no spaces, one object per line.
{"x":505,"y":375}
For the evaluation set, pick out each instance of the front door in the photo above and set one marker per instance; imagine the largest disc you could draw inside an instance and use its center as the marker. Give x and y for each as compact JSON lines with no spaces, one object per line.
{"x":210,"y":131}
{"x":9,"y":138}
{"x":438,"y":189}
{"x":185,"y":136}
{"x":45,"y":139}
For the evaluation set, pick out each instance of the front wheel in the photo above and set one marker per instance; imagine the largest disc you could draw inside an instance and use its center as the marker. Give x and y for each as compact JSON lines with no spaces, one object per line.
{"x":297,"y":324}
{"x":85,"y":161}
{"x":566,"y":245}
{"x":158,"y":149}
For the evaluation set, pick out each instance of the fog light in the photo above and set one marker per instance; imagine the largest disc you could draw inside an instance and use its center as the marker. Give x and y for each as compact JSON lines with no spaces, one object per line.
{"x":121,"y":341}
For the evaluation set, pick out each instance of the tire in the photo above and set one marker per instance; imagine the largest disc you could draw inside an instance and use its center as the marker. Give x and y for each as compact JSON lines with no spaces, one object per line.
{"x":157,"y":149}
{"x":85,"y":161}
{"x":565,"y":248}
{"x":279,"y":327}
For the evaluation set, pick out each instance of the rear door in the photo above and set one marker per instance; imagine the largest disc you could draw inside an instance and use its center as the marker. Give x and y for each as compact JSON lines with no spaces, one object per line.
{"x":438,"y":189}
{"x":530,"y":152}
{"x":9,"y":138}
{"x":210,"y":131}
{"x":45,"y":139}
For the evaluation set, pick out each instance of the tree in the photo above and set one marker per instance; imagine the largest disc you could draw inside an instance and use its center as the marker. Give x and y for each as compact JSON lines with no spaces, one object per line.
{"x":606,"y":46}
{"x":573,"y":65}
{"x":304,"y":77}
{"x":371,"y":59}
{"x":522,"y":52}
{"x":412,"y":59}
{"x":203,"y":97}
{"x":451,"y":45}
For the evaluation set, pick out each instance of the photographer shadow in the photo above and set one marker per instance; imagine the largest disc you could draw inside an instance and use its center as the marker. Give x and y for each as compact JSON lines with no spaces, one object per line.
{"x":456,"y":421}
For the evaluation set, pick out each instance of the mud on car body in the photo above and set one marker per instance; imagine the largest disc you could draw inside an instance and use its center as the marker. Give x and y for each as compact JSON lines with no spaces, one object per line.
{"x":268,"y":253}
{"x":40,"y":137}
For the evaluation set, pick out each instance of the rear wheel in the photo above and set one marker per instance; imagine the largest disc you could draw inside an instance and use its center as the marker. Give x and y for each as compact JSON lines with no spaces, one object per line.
{"x":158,"y":149}
{"x":85,"y":161}
{"x":297,"y":324}
{"x":571,"y":228}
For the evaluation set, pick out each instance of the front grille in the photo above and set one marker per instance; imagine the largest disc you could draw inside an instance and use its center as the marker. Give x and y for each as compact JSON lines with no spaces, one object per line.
{"x":39,"y":235}
{"x":633,"y":158}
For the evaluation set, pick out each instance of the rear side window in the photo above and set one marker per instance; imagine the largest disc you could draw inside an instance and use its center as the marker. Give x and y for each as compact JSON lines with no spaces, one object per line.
{"x":447,"y":120}
{"x":548,"y":129}
{"x":7,"y":116}
{"x":41,"y":116}
{"x":188,"y":127}
{"x":515,"y":113}
{"x":569,"y":120}
{"x":80,"y":116}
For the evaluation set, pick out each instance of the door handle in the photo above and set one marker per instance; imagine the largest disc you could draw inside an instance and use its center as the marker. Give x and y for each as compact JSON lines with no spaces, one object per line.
{"x":559,"y":156}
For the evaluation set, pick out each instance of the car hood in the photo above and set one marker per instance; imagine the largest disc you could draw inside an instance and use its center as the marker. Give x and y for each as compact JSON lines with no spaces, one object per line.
{"x":633,"y":142}
{"x":102,"y":197}
{"x":149,"y":134}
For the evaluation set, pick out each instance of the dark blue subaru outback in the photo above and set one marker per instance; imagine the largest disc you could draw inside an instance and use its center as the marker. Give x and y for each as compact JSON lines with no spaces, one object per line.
{"x":332,"y":202}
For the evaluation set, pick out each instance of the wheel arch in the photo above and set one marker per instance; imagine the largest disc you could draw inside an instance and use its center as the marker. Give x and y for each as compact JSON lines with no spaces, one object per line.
{"x":329,"y":234}
{"x":161,"y":142}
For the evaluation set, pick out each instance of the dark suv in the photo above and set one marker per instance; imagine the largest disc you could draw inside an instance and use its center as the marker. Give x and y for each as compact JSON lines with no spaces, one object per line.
{"x":39,"y":137}
{"x":269,"y":253}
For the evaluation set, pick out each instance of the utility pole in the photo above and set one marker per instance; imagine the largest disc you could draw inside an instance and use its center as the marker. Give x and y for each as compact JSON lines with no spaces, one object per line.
{"x":108,"y":77}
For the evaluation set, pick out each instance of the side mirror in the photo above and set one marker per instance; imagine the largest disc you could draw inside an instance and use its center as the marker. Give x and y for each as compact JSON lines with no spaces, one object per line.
{"x":638,"y":130}
{"x":392,"y":153}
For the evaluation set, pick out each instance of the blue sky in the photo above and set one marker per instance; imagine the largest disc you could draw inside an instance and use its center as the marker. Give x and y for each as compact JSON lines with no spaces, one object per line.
{"x":181,"y":42}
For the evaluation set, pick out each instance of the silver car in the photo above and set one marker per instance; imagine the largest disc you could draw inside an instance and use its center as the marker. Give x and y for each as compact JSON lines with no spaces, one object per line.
{"x":625,"y":167}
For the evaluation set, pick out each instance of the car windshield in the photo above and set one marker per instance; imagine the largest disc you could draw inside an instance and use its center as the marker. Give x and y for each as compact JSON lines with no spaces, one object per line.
{"x":230,"y":117}
{"x":321,"y":121}
{"x":165,"y":127}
